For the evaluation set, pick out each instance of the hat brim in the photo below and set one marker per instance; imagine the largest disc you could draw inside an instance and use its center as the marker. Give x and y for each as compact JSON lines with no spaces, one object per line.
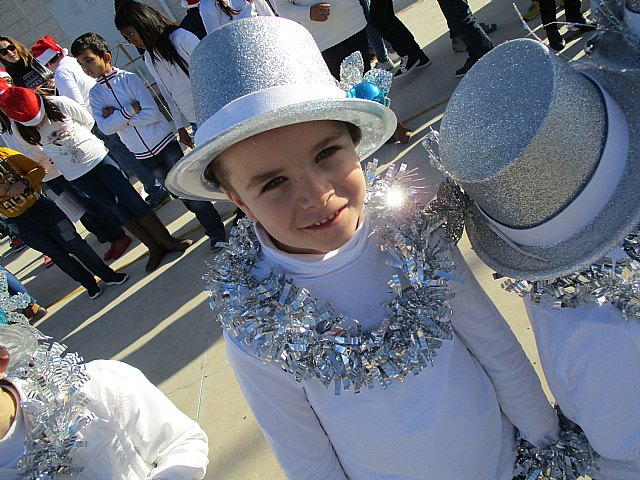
{"x":617,"y":219}
{"x":377,"y":123}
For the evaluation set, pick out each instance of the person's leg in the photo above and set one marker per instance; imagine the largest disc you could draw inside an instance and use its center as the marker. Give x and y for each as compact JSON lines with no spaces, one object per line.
{"x":461,"y":19}
{"x":132,"y":166}
{"x":390,"y":27}
{"x":15,"y":286}
{"x":335,"y":55}
{"x":374,"y":37}
{"x":205,"y":212}
{"x":548,"y":18}
{"x":36,"y":225}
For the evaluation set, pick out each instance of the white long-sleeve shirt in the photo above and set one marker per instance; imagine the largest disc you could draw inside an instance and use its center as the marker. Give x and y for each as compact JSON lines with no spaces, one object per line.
{"x":591,"y":359}
{"x":174,"y":83}
{"x":70,"y":144}
{"x":445,"y":423}
{"x":144,"y":133}
{"x":34,"y":152}
{"x":214,"y":17}
{"x":138,"y":433}
{"x":346,"y":18}
{"x":72,"y":82}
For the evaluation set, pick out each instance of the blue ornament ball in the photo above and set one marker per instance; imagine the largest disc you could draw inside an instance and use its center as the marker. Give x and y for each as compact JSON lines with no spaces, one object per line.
{"x":366,"y":91}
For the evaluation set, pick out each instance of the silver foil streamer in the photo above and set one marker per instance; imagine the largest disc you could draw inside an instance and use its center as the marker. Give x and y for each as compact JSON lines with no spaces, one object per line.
{"x":279,"y":322}
{"x":351,"y":74}
{"x":607,"y":281}
{"x":567,"y":458}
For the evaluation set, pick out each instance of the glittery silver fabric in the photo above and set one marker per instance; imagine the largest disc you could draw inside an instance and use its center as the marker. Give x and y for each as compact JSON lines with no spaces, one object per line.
{"x":251,"y":55}
{"x":509,"y":134}
{"x":278,"y":322}
{"x":620,"y":216}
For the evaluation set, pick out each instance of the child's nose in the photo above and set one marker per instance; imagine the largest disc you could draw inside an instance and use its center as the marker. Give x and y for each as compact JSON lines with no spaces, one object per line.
{"x":315,"y":191}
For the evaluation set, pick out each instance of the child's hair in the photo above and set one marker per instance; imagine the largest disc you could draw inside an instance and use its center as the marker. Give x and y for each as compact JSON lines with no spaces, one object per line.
{"x":90,"y":41}
{"x":216,"y":173}
{"x":24,"y":54}
{"x":154,"y":29}
{"x":31,"y":135}
{"x":5,"y":123}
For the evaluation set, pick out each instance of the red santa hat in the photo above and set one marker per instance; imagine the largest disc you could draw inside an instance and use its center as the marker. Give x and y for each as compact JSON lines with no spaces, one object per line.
{"x":4,"y":74}
{"x":190,"y":3}
{"x":45,"y":49}
{"x":22,"y":105}
{"x":3,"y":85}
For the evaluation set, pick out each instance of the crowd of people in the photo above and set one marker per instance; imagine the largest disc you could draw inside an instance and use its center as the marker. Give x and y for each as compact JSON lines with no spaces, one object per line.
{"x":357,"y":332}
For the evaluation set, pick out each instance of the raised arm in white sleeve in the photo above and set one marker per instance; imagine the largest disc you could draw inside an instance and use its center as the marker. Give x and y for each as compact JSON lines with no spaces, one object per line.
{"x":489,"y":338}
{"x":173,"y":444}
{"x":77,"y":112}
{"x":286,"y":418}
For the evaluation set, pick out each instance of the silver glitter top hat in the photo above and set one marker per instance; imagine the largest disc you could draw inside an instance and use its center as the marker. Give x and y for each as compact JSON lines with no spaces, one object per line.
{"x":258,"y":74}
{"x":548,"y":153}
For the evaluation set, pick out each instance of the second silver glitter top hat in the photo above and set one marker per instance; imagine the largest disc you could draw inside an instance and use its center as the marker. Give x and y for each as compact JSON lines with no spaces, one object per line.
{"x":257,"y":74}
{"x":550,"y":155}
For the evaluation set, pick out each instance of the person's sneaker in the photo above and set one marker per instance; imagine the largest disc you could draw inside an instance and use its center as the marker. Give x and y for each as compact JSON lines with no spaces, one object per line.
{"x":556,"y":42}
{"x":489,"y":27}
{"x":581,"y":24}
{"x":215,"y":247}
{"x":18,"y":245}
{"x":155,"y":204}
{"x":34,"y":313}
{"x":393,"y":56}
{"x":532,"y":12}
{"x":117,"y":252}
{"x":388,"y":65}
{"x":458,"y":45}
{"x":94,"y":292}
{"x":119,"y":279}
{"x":462,"y":71}
{"x":409,"y":65}
{"x":48,"y":262}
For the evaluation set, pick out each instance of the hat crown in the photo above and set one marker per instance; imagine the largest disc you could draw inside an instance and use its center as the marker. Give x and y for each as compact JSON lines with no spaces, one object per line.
{"x":223,"y":65}
{"x":539,"y":139}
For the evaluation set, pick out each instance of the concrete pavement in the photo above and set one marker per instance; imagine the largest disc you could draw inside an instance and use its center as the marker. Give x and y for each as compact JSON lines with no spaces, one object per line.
{"x":162,"y":323}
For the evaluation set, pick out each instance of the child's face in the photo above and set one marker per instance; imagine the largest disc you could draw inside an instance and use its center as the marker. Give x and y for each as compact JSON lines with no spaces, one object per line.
{"x":93,"y":65}
{"x":131,"y":35}
{"x":302,"y":182}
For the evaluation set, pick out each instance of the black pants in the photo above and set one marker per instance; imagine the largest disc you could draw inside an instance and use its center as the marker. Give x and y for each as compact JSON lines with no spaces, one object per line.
{"x":461,"y":20}
{"x":383,"y":18}
{"x":334,"y":56}
{"x":548,"y":12}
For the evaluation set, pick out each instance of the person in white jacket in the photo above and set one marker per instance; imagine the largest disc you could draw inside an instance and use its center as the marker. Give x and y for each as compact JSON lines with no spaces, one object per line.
{"x":136,"y":432}
{"x":216,"y":13}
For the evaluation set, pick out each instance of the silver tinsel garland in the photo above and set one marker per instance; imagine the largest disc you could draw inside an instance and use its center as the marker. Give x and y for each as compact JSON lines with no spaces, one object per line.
{"x":607,"y":281}
{"x":282,"y":323}
{"x":54,"y":408}
{"x":567,"y":458}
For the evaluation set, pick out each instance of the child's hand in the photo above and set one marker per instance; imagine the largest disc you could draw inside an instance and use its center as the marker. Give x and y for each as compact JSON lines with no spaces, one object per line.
{"x":320,"y":12}
{"x":185,"y":138}
{"x":107,"y":112}
{"x":136,"y":106}
{"x":16,"y":189}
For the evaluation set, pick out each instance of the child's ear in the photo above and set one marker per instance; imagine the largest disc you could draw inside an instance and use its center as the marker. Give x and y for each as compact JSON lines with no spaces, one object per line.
{"x":107,"y":57}
{"x":235,"y":198}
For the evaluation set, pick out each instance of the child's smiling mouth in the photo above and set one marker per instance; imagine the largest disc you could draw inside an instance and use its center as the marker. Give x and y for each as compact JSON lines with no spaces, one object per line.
{"x":329,"y":221}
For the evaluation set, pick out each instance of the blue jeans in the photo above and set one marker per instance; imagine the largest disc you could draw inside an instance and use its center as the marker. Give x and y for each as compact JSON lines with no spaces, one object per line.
{"x":97,"y":219}
{"x":130,"y":164}
{"x":207,"y":215}
{"x":375,"y":39}
{"x":15,"y":286}
{"x":106,"y":184}
{"x":44,"y":227}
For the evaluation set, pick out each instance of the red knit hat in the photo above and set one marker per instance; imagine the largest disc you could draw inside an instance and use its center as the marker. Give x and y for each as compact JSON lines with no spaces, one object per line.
{"x":22,"y":105}
{"x":45,"y":49}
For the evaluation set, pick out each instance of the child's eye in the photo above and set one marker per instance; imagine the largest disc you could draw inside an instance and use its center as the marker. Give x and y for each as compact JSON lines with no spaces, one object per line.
{"x":271,"y":184}
{"x":325,"y":153}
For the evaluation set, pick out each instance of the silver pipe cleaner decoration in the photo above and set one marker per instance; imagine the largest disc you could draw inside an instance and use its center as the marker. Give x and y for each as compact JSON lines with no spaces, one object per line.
{"x":282,"y":323}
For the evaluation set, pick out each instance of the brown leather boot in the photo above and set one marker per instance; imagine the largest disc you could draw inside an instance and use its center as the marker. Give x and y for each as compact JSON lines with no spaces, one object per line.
{"x":156,"y":252}
{"x":156,"y":228}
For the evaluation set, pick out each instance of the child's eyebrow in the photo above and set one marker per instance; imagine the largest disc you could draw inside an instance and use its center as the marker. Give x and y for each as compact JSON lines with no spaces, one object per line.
{"x":258,"y":180}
